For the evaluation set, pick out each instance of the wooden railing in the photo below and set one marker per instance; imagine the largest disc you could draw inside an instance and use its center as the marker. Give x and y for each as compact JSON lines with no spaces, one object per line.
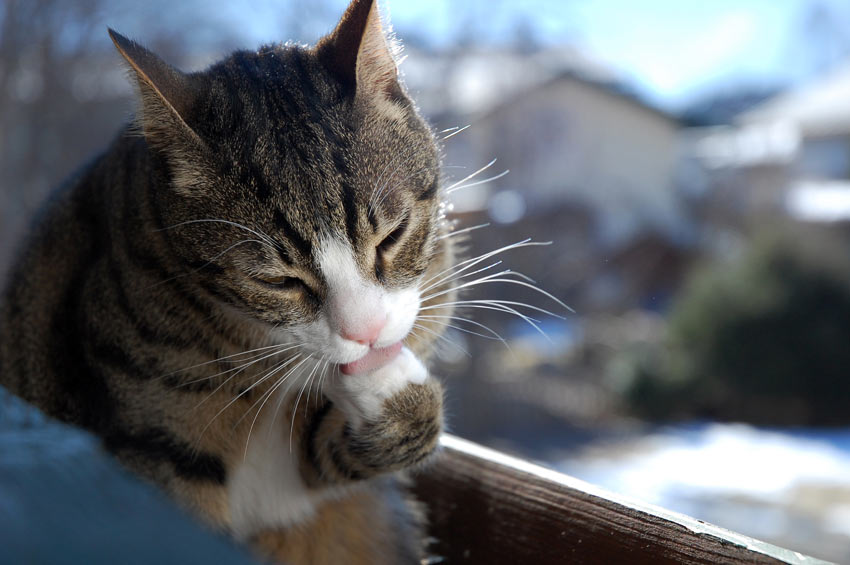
{"x":71,"y":504}
{"x":488,"y":507}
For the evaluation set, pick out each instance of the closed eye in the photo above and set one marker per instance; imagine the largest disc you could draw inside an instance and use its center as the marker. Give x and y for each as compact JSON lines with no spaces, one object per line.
{"x":281,"y":282}
{"x":393,"y":238}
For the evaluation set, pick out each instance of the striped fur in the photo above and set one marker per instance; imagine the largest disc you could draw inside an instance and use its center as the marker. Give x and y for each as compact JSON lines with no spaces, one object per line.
{"x":140,"y":303}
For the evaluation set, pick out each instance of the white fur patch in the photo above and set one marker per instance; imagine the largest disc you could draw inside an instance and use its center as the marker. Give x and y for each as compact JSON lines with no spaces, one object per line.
{"x":265,"y":490}
{"x":361,"y":396}
{"x":353,"y":303}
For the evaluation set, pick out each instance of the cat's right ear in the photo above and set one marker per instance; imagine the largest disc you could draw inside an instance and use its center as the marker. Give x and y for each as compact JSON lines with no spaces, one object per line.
{"x":167,"y":95}
{"x":361,"y":54}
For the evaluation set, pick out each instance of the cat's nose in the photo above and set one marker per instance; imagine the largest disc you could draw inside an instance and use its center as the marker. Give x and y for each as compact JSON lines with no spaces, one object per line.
{"x":365,"y":333}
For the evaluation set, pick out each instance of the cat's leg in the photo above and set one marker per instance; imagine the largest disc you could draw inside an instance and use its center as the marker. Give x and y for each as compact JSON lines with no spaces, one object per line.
{"x":379,"y":421}
{"x":373,"y":525}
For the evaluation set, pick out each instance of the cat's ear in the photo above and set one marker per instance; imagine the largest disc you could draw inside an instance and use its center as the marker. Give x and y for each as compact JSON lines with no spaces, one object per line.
{"x":167,"y":95}
{"x":359,"y":54}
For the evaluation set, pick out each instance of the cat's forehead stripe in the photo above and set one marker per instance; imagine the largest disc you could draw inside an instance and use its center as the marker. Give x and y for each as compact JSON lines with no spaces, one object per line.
{"x":302,"y":245}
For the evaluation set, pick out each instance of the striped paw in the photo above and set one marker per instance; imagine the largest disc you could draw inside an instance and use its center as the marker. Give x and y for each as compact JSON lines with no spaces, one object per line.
{"x":405,"y":432}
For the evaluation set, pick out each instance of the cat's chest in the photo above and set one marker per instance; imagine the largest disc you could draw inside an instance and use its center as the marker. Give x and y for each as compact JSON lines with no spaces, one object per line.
{"x":265,"y":489}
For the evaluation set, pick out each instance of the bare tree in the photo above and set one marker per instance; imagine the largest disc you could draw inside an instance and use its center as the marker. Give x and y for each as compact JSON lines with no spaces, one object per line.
{"x":62,"y":90}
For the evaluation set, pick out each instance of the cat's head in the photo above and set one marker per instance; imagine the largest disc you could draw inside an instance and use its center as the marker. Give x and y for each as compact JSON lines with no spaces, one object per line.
{"x":303,"y":185}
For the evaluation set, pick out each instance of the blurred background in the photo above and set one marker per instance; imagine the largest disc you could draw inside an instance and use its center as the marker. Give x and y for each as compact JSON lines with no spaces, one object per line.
{"x":690,"y":164}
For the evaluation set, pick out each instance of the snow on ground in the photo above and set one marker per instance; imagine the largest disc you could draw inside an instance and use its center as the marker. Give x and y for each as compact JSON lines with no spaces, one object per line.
{"x":788,"y":487}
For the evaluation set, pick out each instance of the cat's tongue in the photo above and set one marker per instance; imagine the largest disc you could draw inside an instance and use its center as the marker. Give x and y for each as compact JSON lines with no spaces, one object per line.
{"x":372,"y":360}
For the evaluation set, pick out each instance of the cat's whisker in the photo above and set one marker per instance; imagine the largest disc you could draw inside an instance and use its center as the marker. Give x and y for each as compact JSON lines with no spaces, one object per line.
{"x":493,"y":277}
{"x":265,"y":398}
{"x":295,"y":407}
{"x":205,"y":265}
{"x":237,"y":370}
{"x":467,"y":264}
{"x":243,"y":393}
{"x":322,"y":378}
{"x":268,"y":240}
{"x":460,"y":329}
{"x":457,"y":278}
{"x":310,"y":379}
{"x":492,"y":280}
{"x":498,"y":306}
{"x":227,"y":358}
{"x":455,"y":131}
{"x":440,"y":336}
{"x":437,"y":320}
{"x":455,"y":187}
{"x":268,"y":374}
{"x":470,"y":176}
{"x":289,"y":372}
{"x":331,"y":375}
{"x":277,"y":410}
{"x":506,"y":303}
{"x":454,"y":233}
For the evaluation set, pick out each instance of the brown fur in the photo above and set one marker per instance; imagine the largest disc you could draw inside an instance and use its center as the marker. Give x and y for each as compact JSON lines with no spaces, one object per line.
{"x":126,"y":306}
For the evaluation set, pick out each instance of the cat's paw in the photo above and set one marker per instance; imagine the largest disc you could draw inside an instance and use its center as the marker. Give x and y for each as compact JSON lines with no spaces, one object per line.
{"x":406,"y":432}
{"x":362,"y":396}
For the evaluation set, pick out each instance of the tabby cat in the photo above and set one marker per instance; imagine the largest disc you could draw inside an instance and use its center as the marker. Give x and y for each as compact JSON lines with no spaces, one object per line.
{"x":227,"y":295}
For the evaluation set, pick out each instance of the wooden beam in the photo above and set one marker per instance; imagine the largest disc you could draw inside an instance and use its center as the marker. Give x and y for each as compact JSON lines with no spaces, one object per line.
{"x":488,"y":507}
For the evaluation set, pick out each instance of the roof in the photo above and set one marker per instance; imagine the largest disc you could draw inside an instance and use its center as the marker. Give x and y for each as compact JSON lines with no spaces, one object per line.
{"x":820,"y":107}
{"x":476,"y":82}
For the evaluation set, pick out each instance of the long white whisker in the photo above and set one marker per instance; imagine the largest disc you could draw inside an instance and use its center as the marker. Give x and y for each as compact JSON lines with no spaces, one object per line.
{"x":458,"y":277}
{"x":280,"y":401}
{"x":295,"y":408}
{"x":465,"y":303}
{"x":289,"y":371}
{"x":244,"y":392}
{"x":437,"y":320}
{"x":470,"y":263}
{"x":310,"y":388}
{"x":322,"y":376}
{"x":470,"y":176}
{"x":265,"y":398}
{"x":456,"y":187}
{"x":494,"y":277}
{"x":226,"y":357}
{"x":238,"y":370}
{"x":526,"y":285}
{"x":440,"y":336}
{"x":261,"y":235}
{"x":498,"y":306}
{"x":455,"y":132}
{"x":202,"y":267}
{"x":454,"y":233}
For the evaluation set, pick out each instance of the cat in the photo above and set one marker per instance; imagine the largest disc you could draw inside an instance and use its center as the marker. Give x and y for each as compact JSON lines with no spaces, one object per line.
{"x":227,"y":296}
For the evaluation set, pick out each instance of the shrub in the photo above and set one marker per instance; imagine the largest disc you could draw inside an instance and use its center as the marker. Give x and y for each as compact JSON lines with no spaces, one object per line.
{"x":766,"y":340}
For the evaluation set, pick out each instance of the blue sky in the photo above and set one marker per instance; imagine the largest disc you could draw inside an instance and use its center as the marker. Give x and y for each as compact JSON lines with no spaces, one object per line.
{"x":669,"y":49}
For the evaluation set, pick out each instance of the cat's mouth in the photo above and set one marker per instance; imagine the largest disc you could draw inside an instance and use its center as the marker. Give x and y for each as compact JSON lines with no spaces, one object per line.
{"x":374,"y":359}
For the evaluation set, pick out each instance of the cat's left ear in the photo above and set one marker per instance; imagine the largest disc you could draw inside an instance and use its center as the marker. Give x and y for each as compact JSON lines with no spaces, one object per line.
{"x":359,"y":54}
{"x":167,"y":95}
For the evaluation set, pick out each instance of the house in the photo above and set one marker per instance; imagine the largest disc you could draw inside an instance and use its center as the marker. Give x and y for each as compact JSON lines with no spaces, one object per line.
{"x":790,"y":155}
{"x":569,"y":133}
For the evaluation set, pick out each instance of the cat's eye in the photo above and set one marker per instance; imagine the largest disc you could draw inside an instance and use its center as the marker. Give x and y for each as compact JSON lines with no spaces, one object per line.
{"x":281,"y":282}
{"x":393,"y":238}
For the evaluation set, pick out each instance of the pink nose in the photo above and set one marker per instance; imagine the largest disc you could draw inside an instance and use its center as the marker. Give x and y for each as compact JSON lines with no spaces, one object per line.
{"x":366,"y":334}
